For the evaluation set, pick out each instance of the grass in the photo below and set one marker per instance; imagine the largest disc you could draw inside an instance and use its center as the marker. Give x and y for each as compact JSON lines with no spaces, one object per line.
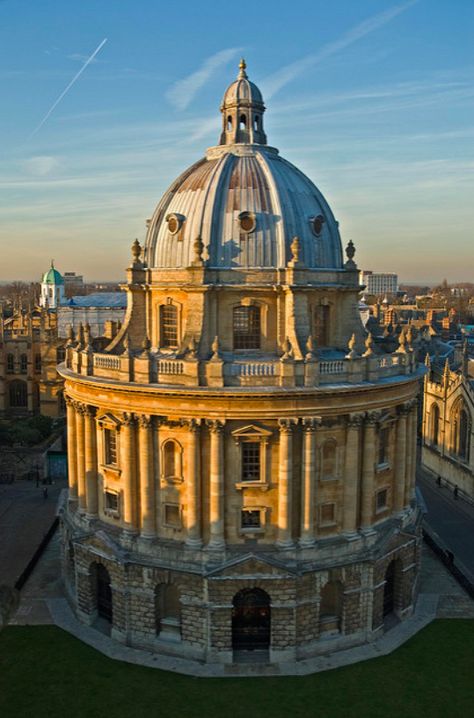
{"x":46,"y":672}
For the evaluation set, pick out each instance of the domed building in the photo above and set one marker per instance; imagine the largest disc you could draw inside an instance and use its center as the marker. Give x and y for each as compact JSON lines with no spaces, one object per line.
{"x":241,"y":454}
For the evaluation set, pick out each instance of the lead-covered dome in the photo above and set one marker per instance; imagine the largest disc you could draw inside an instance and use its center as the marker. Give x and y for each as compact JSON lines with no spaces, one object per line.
{"x":243,"y":201}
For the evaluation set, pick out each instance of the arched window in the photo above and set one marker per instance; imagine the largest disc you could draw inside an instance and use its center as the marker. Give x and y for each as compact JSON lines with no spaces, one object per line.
{"x":229,"y":122}
{"x":330,"y":607}
{"x":168,"y":326}
{"x":321,"y":325}
{"x":18,"y":394}
{"x":37,"y":362}
{"x":23,"y":363}
{"x":435,"y":425}
{"x":256,"y":122}
{"x":242,"y":122}
{"x":329,"y":454}
{"x":10,"y":364}
{"x":172,"y":460}
{"x":103,"y":593}
{"x":251,"y":620}
{"x":383,"y":445}
{"x":246,"y":327}
{"x":60,"y":355}
{"x":463,"y":448}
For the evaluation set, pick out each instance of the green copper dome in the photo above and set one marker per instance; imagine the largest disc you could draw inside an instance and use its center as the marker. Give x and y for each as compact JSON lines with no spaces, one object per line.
{"x":52,"y":276}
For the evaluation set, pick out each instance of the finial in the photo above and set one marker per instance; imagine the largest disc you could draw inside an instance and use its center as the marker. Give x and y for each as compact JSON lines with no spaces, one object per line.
{"x":427,"y":360}
{"x":52,"y":264}
{"x":286,"y":346}
{"x":310,"y":348}
{"x":192,"y":348}
{"x":369,"y":342}
{"x":215,"y":346}
{"x":295,"y":248}
{"x":146,"y":345}
{"x":402,"y":343}
{"x":242,"y":68}
{"x":198,"y":247}
{"x":351,"y":346}
{"x":136,"y":251}
{"x":350,"y":252}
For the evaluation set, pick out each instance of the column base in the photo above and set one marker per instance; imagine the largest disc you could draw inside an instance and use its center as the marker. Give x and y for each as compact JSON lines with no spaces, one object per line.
{"x":368,"y":531}
{"x":216,"y":545}
{"x":285,"y":544}
{"x":194,"y":543}
{"x":306,"y":542}
{"x":148,"y":536}
{"x":351,"y":535}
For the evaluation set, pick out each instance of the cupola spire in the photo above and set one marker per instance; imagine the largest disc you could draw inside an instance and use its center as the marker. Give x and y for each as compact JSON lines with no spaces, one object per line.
{"x":242,"y":112}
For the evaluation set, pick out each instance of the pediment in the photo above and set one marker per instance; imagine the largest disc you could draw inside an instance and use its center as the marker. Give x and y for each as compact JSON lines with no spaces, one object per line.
{"x":251,"y":431}
{"x":251,"y":566}
{"x":103,"y":545}
{"x":108,"y":419}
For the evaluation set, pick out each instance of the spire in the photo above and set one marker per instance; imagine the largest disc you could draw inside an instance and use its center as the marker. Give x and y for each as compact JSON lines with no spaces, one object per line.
{"x":242,"y":67}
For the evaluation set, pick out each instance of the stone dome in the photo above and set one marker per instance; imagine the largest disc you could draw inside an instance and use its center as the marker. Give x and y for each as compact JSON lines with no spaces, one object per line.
{"x":244,"y":201}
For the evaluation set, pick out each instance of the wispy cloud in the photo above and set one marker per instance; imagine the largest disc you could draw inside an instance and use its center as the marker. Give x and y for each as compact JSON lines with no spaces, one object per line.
{"x":68,"y":87}
{"x":286,"y":74}
{"x":41,"y":165}
{"x":182,"y":93}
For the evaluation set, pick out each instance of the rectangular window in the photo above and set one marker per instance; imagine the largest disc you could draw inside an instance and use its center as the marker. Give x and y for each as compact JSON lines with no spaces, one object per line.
{"x":251,"y":519}
{"x":383,"y":445}
{"x":172,"y":515}
{"x":168,"y":326}
{"x":37,"y":362}
{"x":111,"y":502}
{"x":381,"y":499}
{"x":328,"y":514}
{"x":246,"y":327}
{"x":251,"y":461}
{"x":110,"y":439}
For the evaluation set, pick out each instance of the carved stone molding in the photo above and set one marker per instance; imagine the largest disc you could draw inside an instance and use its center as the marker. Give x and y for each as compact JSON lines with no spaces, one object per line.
{"x":286,"y":425}
{"x":355,"y":421}
{"x":311,"y":423}
{"x":145,"y":421}
{"x":128,"y":419}
{"x":215,"y":425}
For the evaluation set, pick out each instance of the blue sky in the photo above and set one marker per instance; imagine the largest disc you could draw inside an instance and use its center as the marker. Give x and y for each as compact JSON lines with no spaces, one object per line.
{"x":373,"y":99}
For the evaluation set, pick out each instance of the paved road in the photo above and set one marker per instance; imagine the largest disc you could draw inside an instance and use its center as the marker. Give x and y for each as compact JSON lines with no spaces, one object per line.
{"x":25,"y":516}
{"x":451,"y":519}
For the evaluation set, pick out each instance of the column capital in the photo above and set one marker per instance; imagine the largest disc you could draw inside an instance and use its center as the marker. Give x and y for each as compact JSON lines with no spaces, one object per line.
{"x":404,"y":409}
{"x":80,"y":407}
{"x":145,"y":421}
{"x":69,"y":401}
{"x":286,"y":425}
{"x":192,"y":424}
{"x":215,"y":426}
{"x":354,"y":421}
{"x":311,"y":423}
{"x":89,"y":411}
{"x":372,"y":417}
{"x":128,"y":419}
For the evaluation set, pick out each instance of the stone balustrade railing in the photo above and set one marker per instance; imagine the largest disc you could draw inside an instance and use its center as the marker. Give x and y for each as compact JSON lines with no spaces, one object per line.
{"x":149,"y":369}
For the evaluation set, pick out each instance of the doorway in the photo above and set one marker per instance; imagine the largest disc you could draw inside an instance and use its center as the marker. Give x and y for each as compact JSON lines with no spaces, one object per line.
{"x":251,"y":620}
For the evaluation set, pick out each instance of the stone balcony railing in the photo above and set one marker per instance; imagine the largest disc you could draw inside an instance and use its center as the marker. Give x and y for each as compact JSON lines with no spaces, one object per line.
{"x":147,"y":368}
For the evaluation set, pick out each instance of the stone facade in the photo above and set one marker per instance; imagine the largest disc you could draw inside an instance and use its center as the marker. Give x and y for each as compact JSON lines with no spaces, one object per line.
{"x":241,"y":459}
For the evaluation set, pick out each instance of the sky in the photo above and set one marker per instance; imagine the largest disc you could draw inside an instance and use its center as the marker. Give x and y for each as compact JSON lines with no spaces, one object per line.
{"x":104,"y":103}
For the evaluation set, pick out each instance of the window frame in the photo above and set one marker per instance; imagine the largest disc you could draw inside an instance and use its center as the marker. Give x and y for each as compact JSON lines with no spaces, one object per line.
{"x":162,"y":307}
{"x":110,"y":510}
{"x":327,"y":523}
{"x":251,"y":531}
{"x":253,"y":434}
{"x":255,"y":335}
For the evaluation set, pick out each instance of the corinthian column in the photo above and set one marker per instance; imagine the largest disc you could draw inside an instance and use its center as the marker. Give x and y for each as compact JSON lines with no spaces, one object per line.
{"x":128,"y":467}
{"x":401,"y":460}
{"x":411,"y":452}
{"x":351,"y":474}
{"x":90,"y":462}
{"x":147,"y":486}
{"x":368,"y":470}
{"x":193,"y":478}
{"x":80,"y":455}
{"x":71,"y":448}
{"x":308,"y":475}
{"x":285,"y":483}
{"x":216,"y":540}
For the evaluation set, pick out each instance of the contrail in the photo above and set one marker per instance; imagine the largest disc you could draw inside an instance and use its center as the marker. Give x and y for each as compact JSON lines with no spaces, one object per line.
{"x":76,"y":77}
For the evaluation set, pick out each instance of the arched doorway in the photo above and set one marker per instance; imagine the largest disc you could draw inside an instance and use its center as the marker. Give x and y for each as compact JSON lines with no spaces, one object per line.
{"x":103,"y":593}
{"x":251,"y":620}
{"x":389,"y":590}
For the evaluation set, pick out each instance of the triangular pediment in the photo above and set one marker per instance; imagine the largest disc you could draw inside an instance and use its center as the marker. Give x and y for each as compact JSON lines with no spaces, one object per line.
{"x":251,"y":566}
{"x":251,"y":430}
{"x":108,"y":419}
{"x":103,"y":545}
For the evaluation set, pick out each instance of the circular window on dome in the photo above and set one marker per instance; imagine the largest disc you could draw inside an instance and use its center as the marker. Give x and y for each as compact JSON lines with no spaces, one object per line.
{"x":317,"y":224}
{"x":247,"y":221}
{"x":175,"y":222}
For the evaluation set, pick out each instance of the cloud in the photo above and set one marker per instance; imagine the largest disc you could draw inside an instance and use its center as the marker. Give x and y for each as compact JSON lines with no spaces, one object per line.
{"x":182,"y":93}
{"x":41,"y":165}
{"x":286,"y":74}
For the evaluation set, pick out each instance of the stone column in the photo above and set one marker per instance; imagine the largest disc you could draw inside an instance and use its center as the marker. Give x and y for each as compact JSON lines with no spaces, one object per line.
{"x":71,"y":448}
{"x":368,"y":471}
{"x":308,"y":482}
{"x":90,"y":462}
{"x":80,"y":456}
{"x":400,"y":460}
{"x":128,"y":469}
{"x":193,"y":479}
{"x":216,"y":513}
{"x":351,"y":475}
{"x":411,"y":453}
{"x":146,"y":474}
{"x":285,"y":483}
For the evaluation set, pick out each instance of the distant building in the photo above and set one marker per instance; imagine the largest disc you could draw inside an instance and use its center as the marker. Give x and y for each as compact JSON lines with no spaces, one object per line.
{"x":73,"y":282}
{"x":379,"y":282}
{"x":52,"y":288}
{"x":448,"y":425}
{"x":92,"y":309}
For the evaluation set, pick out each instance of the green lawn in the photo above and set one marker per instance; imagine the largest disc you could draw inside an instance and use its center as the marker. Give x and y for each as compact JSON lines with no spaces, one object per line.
{"x":46,"y":672}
